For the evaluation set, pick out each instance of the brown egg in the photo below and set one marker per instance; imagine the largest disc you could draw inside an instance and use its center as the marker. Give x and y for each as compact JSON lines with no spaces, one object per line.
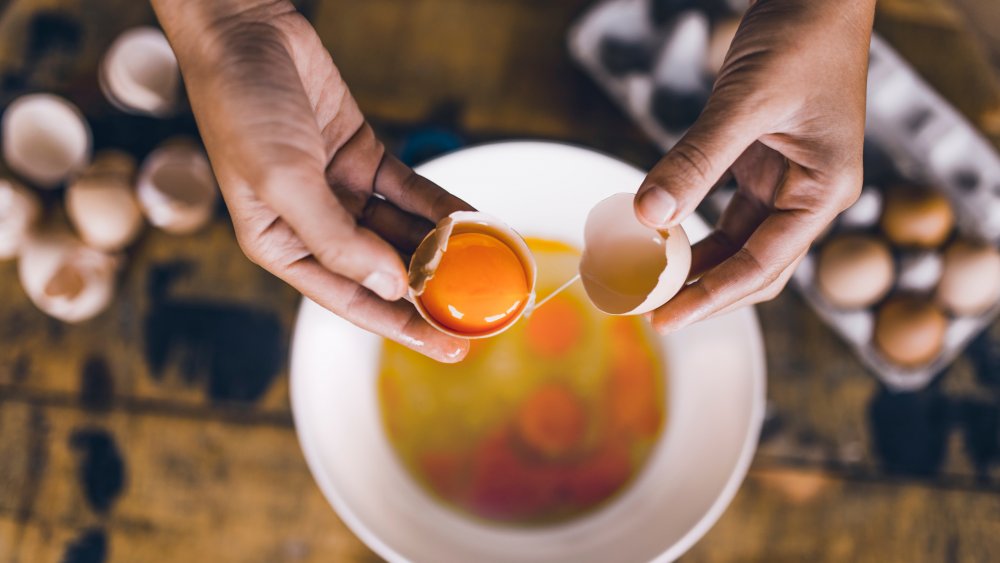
{"x":970,"y":282}
{"x":855,"y":271}
{"x":102,"y":204}
{"x":910,"y":330}
{"x":917,"y":217}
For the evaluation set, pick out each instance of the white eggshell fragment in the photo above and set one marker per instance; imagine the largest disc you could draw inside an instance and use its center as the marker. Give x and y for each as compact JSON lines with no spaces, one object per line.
{"x":19,"y":211}
{"x":628,"y":268}
{"x":680,"y":62}
{"x":139,"y":73}
{"x":102,"y":204}
{"x":176,"y":188}
{"x":427,"y":257}
{"x":45,"y":139}
{"x":66,"y":279}
{"x":970,"y":282}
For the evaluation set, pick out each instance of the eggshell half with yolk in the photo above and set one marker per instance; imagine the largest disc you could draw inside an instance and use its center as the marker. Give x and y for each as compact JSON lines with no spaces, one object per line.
{"x":483,"y":287}
{"x":628,"y":268}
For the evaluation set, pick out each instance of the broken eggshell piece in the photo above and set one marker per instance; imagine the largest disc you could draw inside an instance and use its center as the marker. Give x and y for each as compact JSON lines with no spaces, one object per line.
{"x":428,"y":255}
{"x":628,"y":268}
{"x":102,"y":204}
{"x":65,"y":278}
{"x":19,"y":211}
{"x":45,"y":139}
{"x":139,"y":73}
{"x":176,"y":188}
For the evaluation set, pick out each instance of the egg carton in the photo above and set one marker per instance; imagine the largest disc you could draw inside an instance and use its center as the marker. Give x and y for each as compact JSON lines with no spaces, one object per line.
{"x":655,"y":68}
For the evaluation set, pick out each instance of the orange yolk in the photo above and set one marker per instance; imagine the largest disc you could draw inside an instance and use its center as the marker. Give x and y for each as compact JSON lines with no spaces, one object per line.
{"x":478,"y":286}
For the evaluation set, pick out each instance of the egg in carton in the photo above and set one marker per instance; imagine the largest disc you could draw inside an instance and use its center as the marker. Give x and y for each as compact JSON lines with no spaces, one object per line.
{"x":657,"y":59}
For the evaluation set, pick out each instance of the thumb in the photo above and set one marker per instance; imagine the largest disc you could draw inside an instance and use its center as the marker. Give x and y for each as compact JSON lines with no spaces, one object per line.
{"x":683,"y":177}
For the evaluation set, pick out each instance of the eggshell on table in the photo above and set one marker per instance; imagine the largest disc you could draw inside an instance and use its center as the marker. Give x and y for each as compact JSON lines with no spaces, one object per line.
{"x":19,"y":211}
{"x":45,"y":139}
{"x":65,"y":278}
{"x":102,"y":204}
{"x":970,"y":281}
{"x":628,"y":268}
{"x":176,"y":188}
{"x":139,"y":73}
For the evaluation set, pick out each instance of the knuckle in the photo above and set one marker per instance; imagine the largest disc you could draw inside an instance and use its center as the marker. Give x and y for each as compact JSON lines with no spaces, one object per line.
{"x":253,"y":250}
{"x":847,"y":192}
{"x":760,"y":275}
{"x":332,"y":254}
{"x":691,"y":162}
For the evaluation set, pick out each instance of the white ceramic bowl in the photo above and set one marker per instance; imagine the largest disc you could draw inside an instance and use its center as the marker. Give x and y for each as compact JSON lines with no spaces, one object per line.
{"x":715,"y":397}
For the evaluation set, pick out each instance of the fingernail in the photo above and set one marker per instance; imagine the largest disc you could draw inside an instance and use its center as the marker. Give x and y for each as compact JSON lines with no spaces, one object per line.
{"x":383,"y":284}
{"x":656,"y":207}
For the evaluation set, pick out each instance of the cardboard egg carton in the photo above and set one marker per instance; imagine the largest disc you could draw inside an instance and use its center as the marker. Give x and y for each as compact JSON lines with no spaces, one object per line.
{"x":913,"y":136}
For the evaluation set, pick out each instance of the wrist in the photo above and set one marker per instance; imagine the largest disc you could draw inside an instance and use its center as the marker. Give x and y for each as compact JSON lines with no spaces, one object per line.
{"x":195,"y":26}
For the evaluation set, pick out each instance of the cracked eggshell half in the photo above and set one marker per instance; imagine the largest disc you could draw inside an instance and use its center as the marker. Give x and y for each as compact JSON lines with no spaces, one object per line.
{"x":139,"y":73}
{"x":176,"y":188}
{"x":429,"y":254}
{"x":19,"y":211}
{"x":102,"y":204}
{"x":628,"y":268}
{"x":65,"y":278}
{"x":45,"y":139}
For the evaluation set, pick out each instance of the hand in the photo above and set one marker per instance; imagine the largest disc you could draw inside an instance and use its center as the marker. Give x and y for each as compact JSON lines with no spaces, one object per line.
{"x":313,"y":195}
{"x":786,"y":117}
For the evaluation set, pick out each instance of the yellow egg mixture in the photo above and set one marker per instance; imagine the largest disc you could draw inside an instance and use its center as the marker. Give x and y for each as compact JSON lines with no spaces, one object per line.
{"x":540,"y":424}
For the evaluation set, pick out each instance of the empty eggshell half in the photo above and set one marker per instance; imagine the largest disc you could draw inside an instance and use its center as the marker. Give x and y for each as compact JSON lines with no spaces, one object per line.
{"x":428,"y":255}
{"x":19,"y":211}
{"x":139,"y":73}
{"x":65,"y":278}
{"x":628,"y":268}
{"x":176,"y":188}
{"x":102,"y":204}
{"x":45,"y":139}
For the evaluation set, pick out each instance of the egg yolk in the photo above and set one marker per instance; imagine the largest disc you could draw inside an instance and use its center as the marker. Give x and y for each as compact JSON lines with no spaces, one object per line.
{"x":478,"y":286}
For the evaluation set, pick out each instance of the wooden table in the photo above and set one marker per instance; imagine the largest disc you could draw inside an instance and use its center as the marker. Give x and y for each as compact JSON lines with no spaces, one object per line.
{"x":161,"y":430}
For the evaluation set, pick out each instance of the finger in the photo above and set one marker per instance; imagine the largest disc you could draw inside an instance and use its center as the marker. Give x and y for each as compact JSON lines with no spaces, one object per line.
{"x":413,"y":193}
{"x":738,"y":221}
{"x":779,"y":240}
{"x":401,"y":229}
{"x":397,"y":321}
{"x":304,"y":200}
{"x":677,"y":184}
{"x":768,"y":293}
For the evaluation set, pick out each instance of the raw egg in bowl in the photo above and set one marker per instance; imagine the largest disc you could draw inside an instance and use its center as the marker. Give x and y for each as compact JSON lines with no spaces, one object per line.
{"x":547,"y":450}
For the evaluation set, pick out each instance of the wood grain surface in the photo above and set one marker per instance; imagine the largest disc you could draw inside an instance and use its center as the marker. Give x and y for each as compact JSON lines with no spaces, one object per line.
{"x":161,"y":430}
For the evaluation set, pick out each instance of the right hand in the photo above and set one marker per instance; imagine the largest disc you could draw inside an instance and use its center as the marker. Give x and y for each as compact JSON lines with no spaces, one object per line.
{"x":787,"y":119}
{"x":315,"y":199}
